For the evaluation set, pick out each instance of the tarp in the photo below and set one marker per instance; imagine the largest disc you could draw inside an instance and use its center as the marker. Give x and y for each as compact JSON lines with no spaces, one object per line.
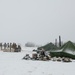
{"x":67,"y":50}
{"x":49,"y":46}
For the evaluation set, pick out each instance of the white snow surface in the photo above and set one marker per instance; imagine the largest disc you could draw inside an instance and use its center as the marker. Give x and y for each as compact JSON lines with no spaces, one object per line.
{"x":11,"y":63}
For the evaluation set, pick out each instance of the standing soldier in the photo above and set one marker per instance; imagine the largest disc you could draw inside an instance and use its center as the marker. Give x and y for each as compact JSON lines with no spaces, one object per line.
{"x":10,"y":46}
{"x":42,"y":54}
{"x":19,"y":48}
{"x":1,"y":45}
{"x":5,"y":45}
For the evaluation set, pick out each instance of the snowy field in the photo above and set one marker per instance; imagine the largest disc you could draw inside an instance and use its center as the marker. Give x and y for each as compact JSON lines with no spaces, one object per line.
{"x":12,"y":64}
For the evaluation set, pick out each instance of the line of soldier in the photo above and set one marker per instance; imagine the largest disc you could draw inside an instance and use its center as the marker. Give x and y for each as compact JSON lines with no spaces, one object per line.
{"x":9,"y":45}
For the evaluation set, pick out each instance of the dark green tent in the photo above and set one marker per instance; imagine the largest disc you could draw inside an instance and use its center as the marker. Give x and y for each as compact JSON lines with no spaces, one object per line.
{"x":49,"y":46}
{"x":67,"y":50}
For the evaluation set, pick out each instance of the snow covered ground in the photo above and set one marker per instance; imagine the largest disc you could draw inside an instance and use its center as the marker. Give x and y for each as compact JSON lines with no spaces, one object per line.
{"x":12,"y":64}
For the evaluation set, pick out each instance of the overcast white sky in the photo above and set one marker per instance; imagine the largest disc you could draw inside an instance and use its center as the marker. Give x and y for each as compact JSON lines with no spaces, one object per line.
{"x":38,"y":21}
